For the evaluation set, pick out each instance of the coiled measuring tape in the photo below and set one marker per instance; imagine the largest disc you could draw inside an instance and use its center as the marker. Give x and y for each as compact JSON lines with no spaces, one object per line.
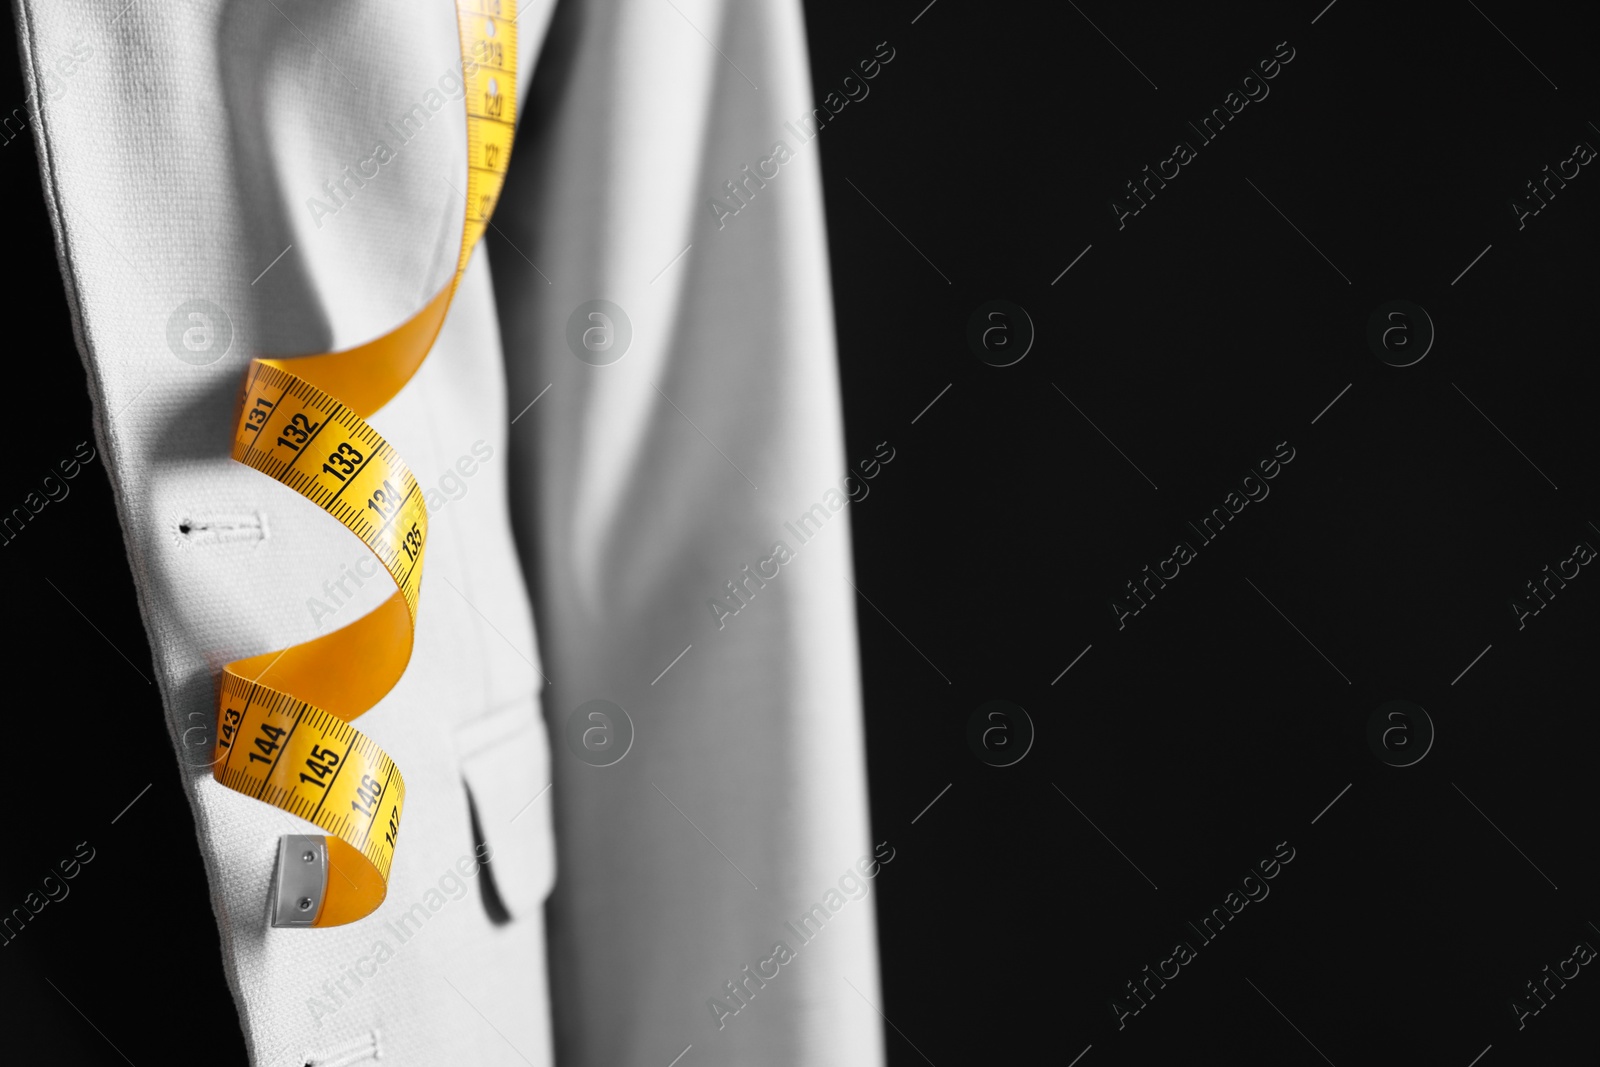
{"x":283,"y":726}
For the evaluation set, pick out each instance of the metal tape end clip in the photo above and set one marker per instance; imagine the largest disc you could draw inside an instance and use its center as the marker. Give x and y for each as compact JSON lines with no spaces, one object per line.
{"x":301,"y":879}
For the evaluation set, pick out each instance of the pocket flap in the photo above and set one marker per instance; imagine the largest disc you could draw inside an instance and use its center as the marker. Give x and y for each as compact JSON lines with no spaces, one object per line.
{"x":505,"y":762}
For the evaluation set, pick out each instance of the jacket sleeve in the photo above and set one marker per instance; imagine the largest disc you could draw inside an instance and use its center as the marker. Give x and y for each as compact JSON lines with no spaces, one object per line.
{"x":678,"y":490}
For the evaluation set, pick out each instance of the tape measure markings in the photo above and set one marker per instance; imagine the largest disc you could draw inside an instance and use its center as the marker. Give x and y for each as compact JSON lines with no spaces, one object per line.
{"x":350,"y":669}
{"x":328,"y":727}
{"x":266,"y":778}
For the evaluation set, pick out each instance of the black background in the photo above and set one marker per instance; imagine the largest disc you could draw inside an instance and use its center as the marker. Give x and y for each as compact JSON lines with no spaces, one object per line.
{"x":1211,"y":727}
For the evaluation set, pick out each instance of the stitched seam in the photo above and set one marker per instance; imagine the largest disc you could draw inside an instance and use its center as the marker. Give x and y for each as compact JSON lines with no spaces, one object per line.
{"x":366,"y":1047}
{"x":223,"y":529}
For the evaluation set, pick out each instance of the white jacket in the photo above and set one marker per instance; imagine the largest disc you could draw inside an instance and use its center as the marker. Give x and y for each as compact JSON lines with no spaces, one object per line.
{"x":193,"y":156}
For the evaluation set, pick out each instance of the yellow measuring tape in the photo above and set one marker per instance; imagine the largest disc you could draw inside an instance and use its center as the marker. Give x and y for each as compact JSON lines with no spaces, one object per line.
{"x":283,"y":727}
